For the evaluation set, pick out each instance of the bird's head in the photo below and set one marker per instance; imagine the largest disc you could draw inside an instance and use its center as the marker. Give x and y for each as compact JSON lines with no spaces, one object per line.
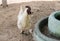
{"x":28,"y":10}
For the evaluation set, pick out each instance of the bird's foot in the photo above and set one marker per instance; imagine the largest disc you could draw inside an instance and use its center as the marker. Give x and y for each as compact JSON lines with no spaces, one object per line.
{"x":31,"y":31}
{"x":25,"y":33}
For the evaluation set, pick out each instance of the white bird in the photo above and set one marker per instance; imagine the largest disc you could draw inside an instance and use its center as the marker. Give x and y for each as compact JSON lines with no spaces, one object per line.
{"x":23,"y":22}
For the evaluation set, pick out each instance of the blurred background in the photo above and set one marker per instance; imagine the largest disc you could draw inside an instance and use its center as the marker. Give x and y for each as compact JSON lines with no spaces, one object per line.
{"x":19,"y":1}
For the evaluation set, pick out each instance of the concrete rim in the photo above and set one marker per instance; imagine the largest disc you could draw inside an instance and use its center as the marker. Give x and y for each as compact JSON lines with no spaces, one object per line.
{"x":39,"y":34}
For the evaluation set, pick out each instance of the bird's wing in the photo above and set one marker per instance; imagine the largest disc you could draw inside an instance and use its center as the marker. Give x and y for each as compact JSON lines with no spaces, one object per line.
{"x":22,"y":19}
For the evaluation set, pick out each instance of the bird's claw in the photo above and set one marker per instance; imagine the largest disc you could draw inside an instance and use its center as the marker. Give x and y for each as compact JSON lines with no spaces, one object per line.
{"x":25,"y":33}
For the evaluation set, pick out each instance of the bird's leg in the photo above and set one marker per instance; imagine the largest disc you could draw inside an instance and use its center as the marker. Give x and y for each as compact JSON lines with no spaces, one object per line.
{"x":25,"y":32}
{"x":30,"y":31}
{"x":1,"y":4}
{"x":21,"y":31}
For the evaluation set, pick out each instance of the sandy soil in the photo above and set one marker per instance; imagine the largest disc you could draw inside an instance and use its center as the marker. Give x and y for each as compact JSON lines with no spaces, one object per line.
{"x":8,"y":19}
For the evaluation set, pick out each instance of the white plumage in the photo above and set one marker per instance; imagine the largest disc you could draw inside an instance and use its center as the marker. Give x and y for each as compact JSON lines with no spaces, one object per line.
{"x":23,"y":22}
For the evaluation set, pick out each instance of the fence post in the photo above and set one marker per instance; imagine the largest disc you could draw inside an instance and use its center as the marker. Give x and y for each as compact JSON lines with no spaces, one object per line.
{"x":4,"y":3}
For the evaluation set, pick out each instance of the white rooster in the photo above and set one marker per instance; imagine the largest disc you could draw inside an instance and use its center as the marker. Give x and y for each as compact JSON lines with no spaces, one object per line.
{"x":24,"y":19}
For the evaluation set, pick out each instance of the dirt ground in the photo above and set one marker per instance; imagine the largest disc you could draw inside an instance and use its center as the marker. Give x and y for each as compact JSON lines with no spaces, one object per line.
{"x":8,"y":19}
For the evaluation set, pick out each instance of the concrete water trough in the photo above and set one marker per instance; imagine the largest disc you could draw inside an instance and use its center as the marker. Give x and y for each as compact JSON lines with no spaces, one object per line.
{"x":42,"y":33}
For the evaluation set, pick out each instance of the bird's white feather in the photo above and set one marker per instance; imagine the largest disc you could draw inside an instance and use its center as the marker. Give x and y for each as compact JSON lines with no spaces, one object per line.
{"x":22,"y":18}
